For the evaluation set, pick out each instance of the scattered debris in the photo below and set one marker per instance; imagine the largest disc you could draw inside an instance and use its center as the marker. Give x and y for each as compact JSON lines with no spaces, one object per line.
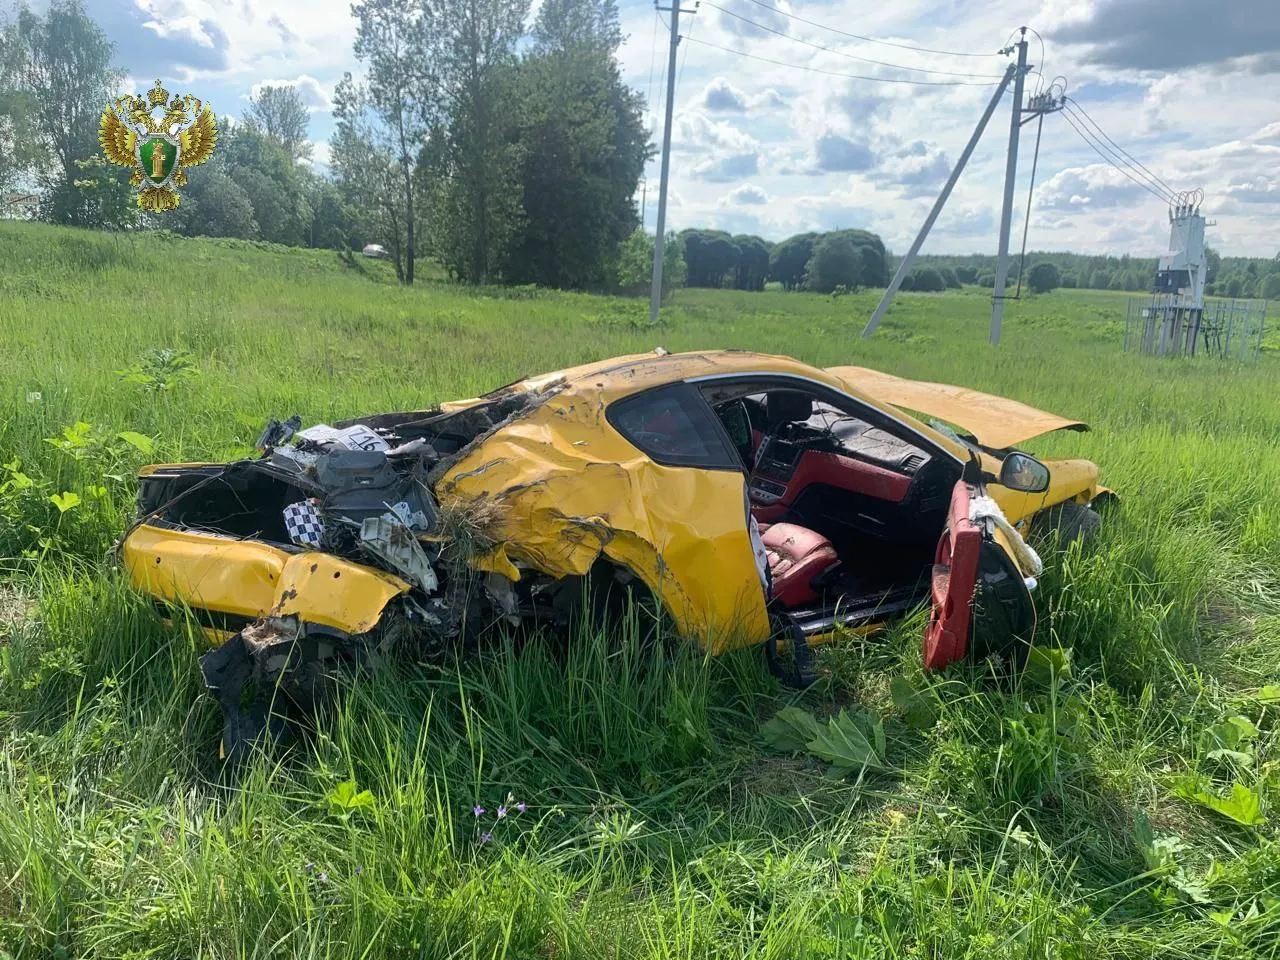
{"x":390,"y":538}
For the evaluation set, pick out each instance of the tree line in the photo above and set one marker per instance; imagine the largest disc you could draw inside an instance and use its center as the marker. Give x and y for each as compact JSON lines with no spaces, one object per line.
{"x":821,"y":262}
{"x":1226,"y":276}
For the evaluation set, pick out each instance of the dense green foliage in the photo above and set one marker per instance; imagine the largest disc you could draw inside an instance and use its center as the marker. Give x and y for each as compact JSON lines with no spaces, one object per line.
{"x":1082,"y":810}
{"x":835,"y":263}
{"x":925,"y":279}
{"x":1043,"y":277}
{"x":717,"y":260}
{"x":55,"y":77}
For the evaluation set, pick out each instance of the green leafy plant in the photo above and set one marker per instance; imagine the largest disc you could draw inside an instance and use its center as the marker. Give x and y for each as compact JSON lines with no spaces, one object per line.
{"x":919,"y":710}
{"x":849,"y":743}
{"x":161,"y":369}
{"x":344,"y":799}
{"x":65,"y":501}
{"x":106,"y":452}
{"x":1240,"y":804}
{"x":1160,"y":853}
{"x":1232,"y":739}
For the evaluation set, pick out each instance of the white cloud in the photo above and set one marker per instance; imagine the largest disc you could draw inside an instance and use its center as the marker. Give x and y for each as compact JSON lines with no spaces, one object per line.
{"x":748,"y":194}
{"x":721,"y":95}
{"x":312,"y":93}
{"x":1097,"y":186}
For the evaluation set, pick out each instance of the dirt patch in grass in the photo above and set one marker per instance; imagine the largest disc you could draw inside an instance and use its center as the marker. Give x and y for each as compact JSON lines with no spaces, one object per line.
{"x":780,"y":777}
{"x":16,"y":611}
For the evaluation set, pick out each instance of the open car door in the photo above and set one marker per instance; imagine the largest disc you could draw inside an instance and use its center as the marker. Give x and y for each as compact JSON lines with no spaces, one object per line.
{"x":981,"y":603}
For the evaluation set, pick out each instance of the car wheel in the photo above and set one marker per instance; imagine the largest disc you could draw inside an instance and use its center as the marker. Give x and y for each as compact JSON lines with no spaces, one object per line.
{"x":1064,"y":524}
{"x":606,"y":598}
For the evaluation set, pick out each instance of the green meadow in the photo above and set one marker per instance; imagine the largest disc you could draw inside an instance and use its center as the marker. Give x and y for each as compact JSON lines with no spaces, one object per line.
{"x":1117,"y":799}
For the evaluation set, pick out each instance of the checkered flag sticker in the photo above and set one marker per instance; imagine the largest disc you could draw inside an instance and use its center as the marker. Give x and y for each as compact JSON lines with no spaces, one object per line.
{"x":303,"y":522}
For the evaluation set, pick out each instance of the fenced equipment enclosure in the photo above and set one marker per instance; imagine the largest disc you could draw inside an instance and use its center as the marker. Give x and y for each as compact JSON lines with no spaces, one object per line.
{"x":1167,"y":325}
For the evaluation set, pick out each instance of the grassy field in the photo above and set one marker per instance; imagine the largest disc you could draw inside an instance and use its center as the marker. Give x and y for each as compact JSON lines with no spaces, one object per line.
{"x":1121,"y":806}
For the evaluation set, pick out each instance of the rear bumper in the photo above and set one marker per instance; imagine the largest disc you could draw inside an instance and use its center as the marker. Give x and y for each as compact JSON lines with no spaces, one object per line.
{"x":236,"y":579}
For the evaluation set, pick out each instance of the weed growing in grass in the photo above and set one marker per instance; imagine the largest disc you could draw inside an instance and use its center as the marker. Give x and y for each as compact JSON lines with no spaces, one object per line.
{"x":1036,"y":815}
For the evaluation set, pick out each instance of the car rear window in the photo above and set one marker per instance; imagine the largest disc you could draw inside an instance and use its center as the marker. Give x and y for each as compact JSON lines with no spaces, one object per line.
{"x":675,"y":427}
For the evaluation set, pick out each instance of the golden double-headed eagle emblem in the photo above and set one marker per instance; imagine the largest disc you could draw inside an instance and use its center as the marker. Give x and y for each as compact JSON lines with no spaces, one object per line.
{"x":159,"y":149}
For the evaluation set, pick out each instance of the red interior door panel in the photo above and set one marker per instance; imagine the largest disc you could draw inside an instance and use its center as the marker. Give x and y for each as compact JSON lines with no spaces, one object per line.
{"x":954,"y":578}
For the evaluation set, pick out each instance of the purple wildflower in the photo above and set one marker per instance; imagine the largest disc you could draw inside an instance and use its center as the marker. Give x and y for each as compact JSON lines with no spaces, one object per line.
{"x":477,"y":810}
{"x":520,"y":807}
{"x":502,"y":812}
{"x":486,"y":837}
{"x":323,"y":878}
{"x":359,"y":870}
{"x":309,"y":867}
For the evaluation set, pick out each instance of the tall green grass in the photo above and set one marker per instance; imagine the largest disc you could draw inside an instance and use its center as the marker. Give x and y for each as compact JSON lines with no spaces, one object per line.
{"x":656,"y":823}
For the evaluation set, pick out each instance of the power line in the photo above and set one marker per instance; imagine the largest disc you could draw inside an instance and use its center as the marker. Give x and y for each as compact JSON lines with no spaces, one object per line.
{"x":1076,"y":104}
{"x":1142,"y":183}
{"x":841,"y":53}
{"x":653,"y":55}
{"x":858,"y":36}
{"x":1152,"y":181}
{"x":684,"y":57}
{"x":847,"y":76}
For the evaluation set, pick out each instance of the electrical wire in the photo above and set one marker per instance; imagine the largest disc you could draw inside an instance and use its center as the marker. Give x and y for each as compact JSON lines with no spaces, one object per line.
{"x":841,"y":53}
{"x":684,"y":56}
{"x":653,"y":54}
{"x":1150,"y":179}
{"x":1075,"y":103}
{"x":848,"y":76}
{"x":1142,"y":183}
{"x":858,"y":36}
{"x":1026,"y":223}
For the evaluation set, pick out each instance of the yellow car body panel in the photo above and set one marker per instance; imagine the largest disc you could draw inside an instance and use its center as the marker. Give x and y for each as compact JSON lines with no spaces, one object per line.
{"x":571,"y":489}
{"x":246,"y":578}
{"x":1075,"y":480}
{"x":996,"y":421}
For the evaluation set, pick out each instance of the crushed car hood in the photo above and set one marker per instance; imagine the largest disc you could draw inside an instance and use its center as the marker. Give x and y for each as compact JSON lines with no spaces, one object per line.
{"x":996,"y":422}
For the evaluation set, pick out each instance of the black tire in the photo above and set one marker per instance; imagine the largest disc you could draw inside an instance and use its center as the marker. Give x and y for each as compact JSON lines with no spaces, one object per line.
{"x":604,"y":603}
{"x":1064,"y":524}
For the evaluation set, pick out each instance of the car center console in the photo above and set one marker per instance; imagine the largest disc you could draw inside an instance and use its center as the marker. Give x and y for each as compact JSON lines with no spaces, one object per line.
{"x":774,"y":469}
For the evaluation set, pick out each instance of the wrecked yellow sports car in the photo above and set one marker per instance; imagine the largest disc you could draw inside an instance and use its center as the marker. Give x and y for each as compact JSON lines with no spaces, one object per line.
{"x":749,"y":497}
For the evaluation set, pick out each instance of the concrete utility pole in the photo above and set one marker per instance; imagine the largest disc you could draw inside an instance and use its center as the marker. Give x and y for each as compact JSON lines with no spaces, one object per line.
{"x":905,"y":266}
{"x":1010,"y":175}
{"x":655,"y":297}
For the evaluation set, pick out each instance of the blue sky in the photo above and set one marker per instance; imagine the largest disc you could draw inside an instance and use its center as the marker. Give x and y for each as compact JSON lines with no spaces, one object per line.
{"x":1191,"y":88}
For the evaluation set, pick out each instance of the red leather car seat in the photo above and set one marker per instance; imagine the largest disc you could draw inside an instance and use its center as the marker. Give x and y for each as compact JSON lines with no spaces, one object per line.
{"x":796,"y":555}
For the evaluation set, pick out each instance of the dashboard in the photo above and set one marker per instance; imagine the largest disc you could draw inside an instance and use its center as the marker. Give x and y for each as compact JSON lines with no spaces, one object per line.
{"x":845,"y":453}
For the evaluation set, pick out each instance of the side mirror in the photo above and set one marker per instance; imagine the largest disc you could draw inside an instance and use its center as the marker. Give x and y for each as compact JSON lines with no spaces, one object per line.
{"x":1023,"y":472}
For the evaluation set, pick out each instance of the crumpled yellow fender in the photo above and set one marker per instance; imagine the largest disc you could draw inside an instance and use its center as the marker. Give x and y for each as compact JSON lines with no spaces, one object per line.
{"x":247,"y":578}
{"x":569,"y":489}
{"x":1068,"y":480}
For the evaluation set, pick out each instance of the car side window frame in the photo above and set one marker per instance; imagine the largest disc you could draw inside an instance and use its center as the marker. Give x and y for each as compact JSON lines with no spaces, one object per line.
{"x":720,"y":453}
{"x":871,"y":414}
